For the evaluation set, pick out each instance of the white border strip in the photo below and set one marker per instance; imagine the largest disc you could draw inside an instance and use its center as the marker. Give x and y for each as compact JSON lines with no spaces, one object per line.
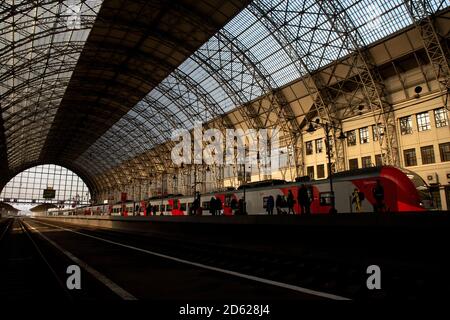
{"x":200,"y":265}
{"x":125,"y":295}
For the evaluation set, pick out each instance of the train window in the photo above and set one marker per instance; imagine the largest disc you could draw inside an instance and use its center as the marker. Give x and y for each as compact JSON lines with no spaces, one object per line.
{"x":175,"y":203}
{"x":325,"y":198}
{"x":183,"y":206}
{"x":205,"y":205}
{"x":168,"y":207}
{"x":162,"y":208}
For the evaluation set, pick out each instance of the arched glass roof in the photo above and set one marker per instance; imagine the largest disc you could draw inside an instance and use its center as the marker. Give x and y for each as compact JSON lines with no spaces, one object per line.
{"x":94,"y":83}
{"x":266,"y":39}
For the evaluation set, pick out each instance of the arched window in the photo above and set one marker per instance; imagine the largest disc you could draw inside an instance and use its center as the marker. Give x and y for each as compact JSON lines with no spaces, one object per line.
{"x":46,"y":183}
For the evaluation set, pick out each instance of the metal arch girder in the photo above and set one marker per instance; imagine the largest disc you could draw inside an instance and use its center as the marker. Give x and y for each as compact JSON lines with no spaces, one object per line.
{"x":67,"y":49}
{"x":312,"y":81}
{"x":370,"y":80}
{"x":204,"y":96}
{"x":30,"y":83}
{"x":421,"y":14}
{"x":284,"y":115}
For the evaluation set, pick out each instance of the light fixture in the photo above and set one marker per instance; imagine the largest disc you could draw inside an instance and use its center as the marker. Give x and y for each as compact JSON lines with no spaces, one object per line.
{"x":311,"y":128}
{"x":342,"y":136}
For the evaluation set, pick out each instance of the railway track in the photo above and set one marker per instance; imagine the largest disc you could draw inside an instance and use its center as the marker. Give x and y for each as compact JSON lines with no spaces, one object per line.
{"x":31,"y":268}
{"x":25,"y":270}
{"x":332,"y":273}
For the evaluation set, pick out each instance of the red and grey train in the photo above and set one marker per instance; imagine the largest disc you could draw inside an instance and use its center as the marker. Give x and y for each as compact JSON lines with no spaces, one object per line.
{"x":404,"y":191}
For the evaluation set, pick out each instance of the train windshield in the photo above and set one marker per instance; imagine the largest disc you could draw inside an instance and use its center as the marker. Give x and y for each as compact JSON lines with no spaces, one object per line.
{"x":422,"y":188}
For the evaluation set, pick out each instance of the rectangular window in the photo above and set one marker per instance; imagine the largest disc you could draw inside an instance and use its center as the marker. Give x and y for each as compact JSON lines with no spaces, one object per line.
{"x":353,"y":164}
{"x":310,"y":172}
{"x":319,"y":145}
{"x":406,"y":125}
{"x":441,"y":117}
{"x":366,"y":162}
{"x":423,"y":121}
{"x":320,"y":171}
{"x":378,"y":160}
{"x":444,"y":150}
{"x":309,"y":148}
{"x":427,"y":154}
{"x":376,"y":135}
{"x":410,"y":157}
{"x":351,"y":138}
{"x":325,"y":198}
{"x":364,"y":135}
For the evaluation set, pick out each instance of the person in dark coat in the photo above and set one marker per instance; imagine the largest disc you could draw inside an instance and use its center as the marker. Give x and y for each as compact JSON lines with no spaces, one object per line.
{"x":269,"y":205}
{"x":378,"y":194}
{"x":303,"y":200}
{"x":218,"y":206}
{"x":279,"y":203}
{"x":212,"y":206}
{"x":149,"y":209}
{"x":290,"y":202}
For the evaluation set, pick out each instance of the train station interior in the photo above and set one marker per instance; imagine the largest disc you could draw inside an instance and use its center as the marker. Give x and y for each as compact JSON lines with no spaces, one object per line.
{"x":120,"y":109}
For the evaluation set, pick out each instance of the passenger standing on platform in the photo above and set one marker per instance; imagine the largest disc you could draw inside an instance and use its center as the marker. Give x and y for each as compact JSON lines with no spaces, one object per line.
{"x":303,"y":200}
{"x":233,"y":205}
{"x":356,"y":200}
{"x":279,"y":203}
{"x":155,"y":209}
{"x":290,"y":202}
{"x":149,"y":209}
{"x":269,"y":205}
{"x":378,"y":194}
{"x":218,"y":206}
{"x":212,"y":206}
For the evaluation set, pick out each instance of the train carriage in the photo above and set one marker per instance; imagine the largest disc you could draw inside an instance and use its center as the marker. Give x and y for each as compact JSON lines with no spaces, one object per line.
{"x":404,"y":191}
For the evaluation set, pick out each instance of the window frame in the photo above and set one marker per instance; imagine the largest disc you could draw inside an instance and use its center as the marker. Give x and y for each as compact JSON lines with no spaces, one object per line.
{"x":437,"y":122}
{"x":420,"y":117}
{"x":351,"y":138}
{"x":406,"y":127}
{"x":413,"y":150}
{"x":424,"y":155}
{"x":364,"y":130}
{"x":309,"y":148}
